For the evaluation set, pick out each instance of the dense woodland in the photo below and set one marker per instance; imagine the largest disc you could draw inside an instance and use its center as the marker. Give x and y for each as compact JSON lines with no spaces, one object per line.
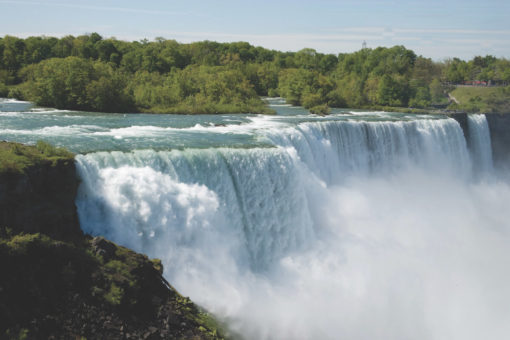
{"x":89,"y":72}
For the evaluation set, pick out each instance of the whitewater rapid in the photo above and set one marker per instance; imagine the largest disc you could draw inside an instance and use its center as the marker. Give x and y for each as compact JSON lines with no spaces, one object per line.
{"x":333,"y":229}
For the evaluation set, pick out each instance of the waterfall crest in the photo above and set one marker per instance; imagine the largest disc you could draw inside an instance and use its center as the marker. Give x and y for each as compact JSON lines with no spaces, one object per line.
{"x":261,"y":194}
{"x":334,"y":150}
{"x":308,"y":238}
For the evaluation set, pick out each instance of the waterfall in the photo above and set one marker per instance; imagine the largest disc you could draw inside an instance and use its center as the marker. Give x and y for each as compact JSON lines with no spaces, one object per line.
{"x":261,"y":195}
{"x":307,"y":239}
{"x":254,"y":195}
{"x":334,"y":150}
{"x":480,"y":143}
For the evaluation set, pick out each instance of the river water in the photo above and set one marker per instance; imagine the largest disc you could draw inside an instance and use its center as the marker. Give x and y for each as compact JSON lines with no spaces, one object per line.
{"x":358,"y":225}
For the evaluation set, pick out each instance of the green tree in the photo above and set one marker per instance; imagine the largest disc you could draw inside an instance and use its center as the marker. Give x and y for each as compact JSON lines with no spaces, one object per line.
{"x":109,"y":92}
{"x":59,"y":83}
{"x":12,"y":59}
{"x":456,"y":71}
{"x":437,"y":94}
{"x":392,"y":91}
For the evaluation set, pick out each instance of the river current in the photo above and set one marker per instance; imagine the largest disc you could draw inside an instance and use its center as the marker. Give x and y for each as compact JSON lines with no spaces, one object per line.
{"x":357,"y":225}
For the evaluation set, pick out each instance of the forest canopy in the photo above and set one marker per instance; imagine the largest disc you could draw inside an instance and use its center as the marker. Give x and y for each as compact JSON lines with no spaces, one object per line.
{"x":89,"y":72}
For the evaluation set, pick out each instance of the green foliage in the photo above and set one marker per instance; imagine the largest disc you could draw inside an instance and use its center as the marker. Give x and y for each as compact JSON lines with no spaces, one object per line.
{"x":204,"y":89}
{"x":114,"y":295}
{"x":123,"y":275}
{"x":19,"y":244}
{"x":59,"y":83}
{"x":499,"y":101}
{"x":482,"y":99}
{"x":437,"y":92}
{"x":157,"y":265}
{"x":49,"y":150}
{"x":108,"y":93}
{"x":422,"y":98}
{"x":382,"y":76}
{"x":320,"y":110}
{"x":456,"y":71}
{"x":16,"y":158}
{"x":89,"y":72}
{"x":42,"y":276}
{"x":16,"y":92}
{"x":304,"y":87}
{"x":487,"y":68}
{"x":206,"y":323}
{"x":30,"y":265}
{"x":311,"y":99}
{"x":4,"y":90}
{"x":76,"y":83}
{"x":392,"y":91}
{"x":21,"y":335}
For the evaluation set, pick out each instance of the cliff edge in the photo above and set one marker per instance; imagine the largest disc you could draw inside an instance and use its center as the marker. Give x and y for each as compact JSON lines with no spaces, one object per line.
{"x":57,"y":283}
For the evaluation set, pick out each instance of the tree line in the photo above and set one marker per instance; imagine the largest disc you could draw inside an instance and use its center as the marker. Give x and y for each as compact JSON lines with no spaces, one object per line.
{"x":89,"y":72}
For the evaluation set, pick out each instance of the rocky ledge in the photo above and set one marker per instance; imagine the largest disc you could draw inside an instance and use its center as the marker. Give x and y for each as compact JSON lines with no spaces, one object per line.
{"x":57,"y":283}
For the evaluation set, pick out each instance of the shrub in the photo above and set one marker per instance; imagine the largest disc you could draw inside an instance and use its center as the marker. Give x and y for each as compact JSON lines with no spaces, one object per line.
{"x":114,"y":295}
{"x":320,"y":110}
{"x":4,"y":91}
{"x":15,"y":157}
{"x":50,"y":151}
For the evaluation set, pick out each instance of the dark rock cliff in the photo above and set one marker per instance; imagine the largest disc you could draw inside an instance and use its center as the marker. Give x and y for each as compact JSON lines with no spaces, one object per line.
{"x":57,"y":283}
{"x":462,"y":119}
{"x":41,"y":200}
{"x":499,"y":126}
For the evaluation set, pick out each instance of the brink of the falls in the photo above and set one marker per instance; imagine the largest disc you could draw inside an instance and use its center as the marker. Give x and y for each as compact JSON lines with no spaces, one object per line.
{"x":349,"y":229}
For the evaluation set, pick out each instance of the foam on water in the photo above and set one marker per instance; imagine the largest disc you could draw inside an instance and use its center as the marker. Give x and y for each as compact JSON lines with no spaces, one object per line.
{"x":343,"y":229}
{"x":239,"y":180}
{"x":13,"y":101}
{"x":56,"y":130}
{"x":337,"y":149}
{"x":9,"y":114}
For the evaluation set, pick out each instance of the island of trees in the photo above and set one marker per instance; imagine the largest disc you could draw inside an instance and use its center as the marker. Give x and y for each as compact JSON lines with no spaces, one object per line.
{"x":91,"y":73}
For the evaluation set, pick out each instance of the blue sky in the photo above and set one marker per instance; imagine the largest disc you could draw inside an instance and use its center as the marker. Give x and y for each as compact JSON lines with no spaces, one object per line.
{"x":435,"y":29}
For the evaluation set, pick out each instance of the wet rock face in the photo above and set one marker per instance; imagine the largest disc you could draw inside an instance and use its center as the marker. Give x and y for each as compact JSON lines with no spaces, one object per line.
{"x":462,"y":119}
{"x":41,"y":200}
{"x":499,"y":126}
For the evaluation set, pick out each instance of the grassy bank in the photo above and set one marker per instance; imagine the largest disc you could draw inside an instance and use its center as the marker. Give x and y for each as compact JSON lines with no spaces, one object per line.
{"x":396,"y":109}
{"x":16,"y":158}
{"x":482,"y":99}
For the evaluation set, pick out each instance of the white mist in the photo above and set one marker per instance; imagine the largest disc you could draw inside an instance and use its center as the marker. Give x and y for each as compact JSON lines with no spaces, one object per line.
{"x":347,"y":230}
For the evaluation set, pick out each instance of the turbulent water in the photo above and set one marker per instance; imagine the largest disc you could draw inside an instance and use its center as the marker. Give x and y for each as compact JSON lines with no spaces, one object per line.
{"x":359,"y":225}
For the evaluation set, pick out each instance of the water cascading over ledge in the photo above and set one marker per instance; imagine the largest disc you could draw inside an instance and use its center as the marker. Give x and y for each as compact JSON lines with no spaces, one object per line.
{"x":259,"y":196}
{"x":256,"y":234}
